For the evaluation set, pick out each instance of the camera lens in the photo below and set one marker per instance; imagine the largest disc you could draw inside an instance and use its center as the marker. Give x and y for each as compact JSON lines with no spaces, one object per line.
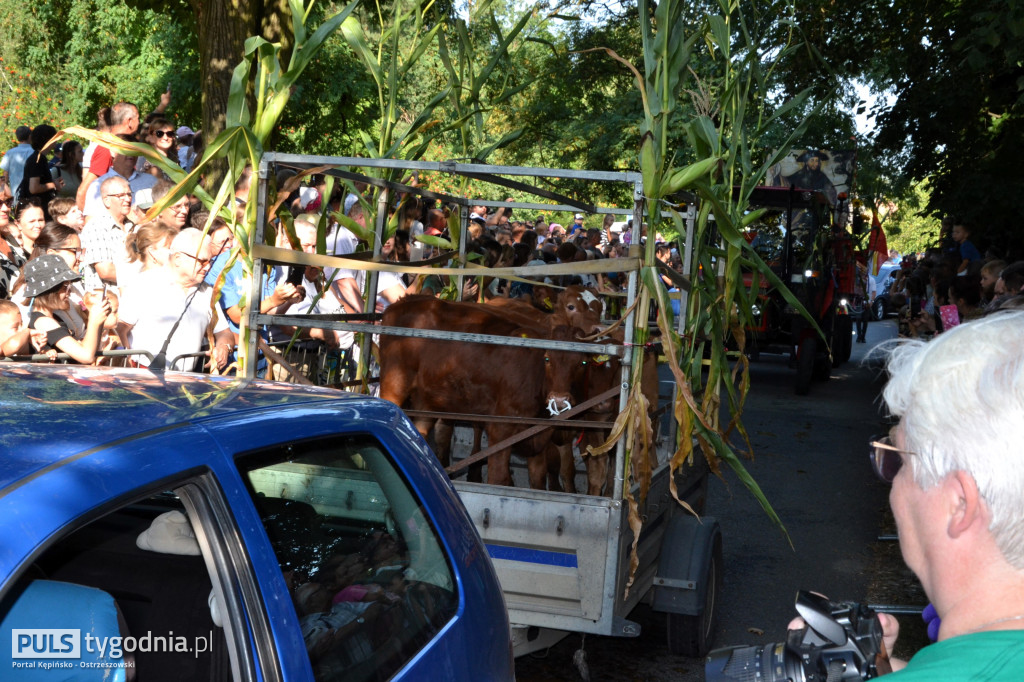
{"x":768,"y":663}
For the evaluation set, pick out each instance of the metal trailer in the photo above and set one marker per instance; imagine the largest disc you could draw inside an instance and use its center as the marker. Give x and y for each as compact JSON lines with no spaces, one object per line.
{"x":563,"y":560}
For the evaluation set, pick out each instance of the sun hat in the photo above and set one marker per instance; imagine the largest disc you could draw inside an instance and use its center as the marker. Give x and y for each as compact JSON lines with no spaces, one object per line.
{"x":45,"y":273}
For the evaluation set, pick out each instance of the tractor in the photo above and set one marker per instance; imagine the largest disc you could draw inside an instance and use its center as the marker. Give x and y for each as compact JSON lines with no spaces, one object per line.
{"x":812,"y":254}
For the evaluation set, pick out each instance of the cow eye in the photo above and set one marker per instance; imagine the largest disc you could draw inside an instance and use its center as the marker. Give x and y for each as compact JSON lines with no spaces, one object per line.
{"x":571,"y":307}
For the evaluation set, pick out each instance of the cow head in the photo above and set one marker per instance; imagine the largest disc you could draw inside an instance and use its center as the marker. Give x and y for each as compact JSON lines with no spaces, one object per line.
{"x":562,"y":370}
{"x":581,"y":308}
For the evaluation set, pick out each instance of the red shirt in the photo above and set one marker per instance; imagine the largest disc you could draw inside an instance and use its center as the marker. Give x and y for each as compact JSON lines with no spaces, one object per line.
{"x":101,"y":161}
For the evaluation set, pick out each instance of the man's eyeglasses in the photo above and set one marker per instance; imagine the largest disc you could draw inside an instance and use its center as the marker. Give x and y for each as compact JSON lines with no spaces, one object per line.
{"x":203,"y":262}
{"x":886,"y":458}
{"x":7,"y":202}
{"x":163,"y":133}
{"x":120,"y":195}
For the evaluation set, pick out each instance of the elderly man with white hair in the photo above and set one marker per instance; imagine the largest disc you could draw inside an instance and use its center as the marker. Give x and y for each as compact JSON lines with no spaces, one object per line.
{"x":167,"y":310}
{"x":957,"y":474}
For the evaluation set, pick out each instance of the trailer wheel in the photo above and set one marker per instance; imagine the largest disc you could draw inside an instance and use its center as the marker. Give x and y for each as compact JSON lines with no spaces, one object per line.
{"x":805,"y":364}
{"x":692,"y":635}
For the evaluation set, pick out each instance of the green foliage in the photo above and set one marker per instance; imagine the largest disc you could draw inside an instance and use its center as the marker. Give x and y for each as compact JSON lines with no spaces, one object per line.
{"x":68,"y":58}
{"x":584,"y":110}
{"x":909,"y":228}
{"x":332,"y":103}
{"x":957,"y":72}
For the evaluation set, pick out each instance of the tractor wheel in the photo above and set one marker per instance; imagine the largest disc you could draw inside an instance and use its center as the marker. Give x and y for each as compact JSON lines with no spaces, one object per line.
{"x":805,"y":364}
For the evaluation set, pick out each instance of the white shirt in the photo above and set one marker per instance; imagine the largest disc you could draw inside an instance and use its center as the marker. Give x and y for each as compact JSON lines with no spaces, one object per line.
{"x":152,"y":306}
{"x":138,"y":182}
{"x":340,"y":242}
{"x":327,"y":305}
{"x":386,"y":280}
{"x":87,"y":154}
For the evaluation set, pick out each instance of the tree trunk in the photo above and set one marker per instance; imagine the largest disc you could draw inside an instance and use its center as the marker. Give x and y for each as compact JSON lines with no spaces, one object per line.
{"x":224,"y":26}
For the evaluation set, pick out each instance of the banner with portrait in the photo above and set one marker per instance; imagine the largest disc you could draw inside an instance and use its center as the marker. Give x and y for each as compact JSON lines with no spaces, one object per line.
{"x":830,"y":172}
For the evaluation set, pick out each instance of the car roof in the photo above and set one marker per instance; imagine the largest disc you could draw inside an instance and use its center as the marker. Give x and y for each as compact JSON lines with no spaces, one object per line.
{"x":48,"y":413}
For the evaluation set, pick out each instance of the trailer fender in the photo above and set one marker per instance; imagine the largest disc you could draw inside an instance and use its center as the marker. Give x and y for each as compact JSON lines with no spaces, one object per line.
{"x":687,"y":551}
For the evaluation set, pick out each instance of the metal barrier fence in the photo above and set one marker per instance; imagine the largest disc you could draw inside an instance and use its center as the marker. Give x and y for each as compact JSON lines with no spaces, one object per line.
{"x":305,"y":362}
{"x":116,"y":358}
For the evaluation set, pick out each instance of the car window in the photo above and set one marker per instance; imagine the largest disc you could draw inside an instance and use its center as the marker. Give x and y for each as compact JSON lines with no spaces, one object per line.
{"x":368,"y":578}
{"x":130,"y":595}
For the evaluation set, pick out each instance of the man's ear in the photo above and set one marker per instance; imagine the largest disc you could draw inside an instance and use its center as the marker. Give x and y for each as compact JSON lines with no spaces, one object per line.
{"x":965,"y":503}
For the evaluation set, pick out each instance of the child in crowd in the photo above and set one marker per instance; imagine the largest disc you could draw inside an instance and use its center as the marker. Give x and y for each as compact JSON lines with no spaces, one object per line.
{"x":13,"y":339}
{"x":47,"y":284}
{"x":970,"y":257}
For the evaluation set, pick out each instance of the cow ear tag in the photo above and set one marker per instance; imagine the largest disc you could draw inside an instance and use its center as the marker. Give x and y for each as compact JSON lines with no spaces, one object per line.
{"x":601,"y":359}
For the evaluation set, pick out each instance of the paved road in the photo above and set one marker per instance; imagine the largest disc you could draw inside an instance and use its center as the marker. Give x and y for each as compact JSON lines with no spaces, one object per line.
{"x":811,"y":461}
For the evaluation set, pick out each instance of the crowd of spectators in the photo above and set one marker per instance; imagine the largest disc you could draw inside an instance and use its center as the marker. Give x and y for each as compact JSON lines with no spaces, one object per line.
{"x":86,"y":272}
{"x":951,"y":284}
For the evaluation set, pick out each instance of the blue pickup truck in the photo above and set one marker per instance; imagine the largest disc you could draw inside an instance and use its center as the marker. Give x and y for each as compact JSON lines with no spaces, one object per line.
{"x":175,"y":526}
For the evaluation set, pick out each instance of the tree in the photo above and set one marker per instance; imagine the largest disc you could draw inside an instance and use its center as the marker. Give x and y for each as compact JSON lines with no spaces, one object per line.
{"x":909,"y":228}
{"x":68,"y":58}
{"x":959,"y":111}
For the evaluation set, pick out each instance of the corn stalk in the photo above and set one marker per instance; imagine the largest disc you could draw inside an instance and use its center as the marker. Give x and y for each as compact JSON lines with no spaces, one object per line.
{"x":478,"y":80}
{"x":732,"y":114}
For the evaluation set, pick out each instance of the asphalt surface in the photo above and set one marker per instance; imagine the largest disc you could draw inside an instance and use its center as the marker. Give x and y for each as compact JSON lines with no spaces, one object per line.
{"x":811,"y":462}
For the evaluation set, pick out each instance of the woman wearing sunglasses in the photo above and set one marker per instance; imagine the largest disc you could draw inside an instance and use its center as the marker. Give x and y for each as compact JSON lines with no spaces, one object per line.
{"x":161,"y":136}
{"x":57,"y":240}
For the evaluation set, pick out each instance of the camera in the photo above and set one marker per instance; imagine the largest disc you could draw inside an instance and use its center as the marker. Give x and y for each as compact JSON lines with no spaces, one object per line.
{"x":841,"y":641}
{"x":295,"y":274}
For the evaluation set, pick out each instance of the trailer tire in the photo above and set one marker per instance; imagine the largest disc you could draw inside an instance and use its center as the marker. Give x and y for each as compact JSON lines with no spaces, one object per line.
{"x":692,"y":635}
{"x":805,"y":364}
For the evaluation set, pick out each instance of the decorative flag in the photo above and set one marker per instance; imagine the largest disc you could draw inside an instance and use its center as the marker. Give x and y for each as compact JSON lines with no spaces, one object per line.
{"x":878,"y":251}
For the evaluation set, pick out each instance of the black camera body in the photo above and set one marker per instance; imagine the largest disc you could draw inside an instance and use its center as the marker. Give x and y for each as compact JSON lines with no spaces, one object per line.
{"x":841,"y":641}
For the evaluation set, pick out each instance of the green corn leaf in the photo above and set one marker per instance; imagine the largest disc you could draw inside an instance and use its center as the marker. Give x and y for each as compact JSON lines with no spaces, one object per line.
{"x":506,"y":140}
{"x":353,"y":33}
{"x":434,"y":241}
{"x":421,"y":47}
{"x":649,"y":168}
{"x":307,"y":49}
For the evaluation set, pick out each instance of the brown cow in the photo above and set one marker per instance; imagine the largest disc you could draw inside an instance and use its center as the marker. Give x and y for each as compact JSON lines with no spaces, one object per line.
{"x":448,"y":376}
{"x":597,"y":376}
{"x":575,"y":306}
